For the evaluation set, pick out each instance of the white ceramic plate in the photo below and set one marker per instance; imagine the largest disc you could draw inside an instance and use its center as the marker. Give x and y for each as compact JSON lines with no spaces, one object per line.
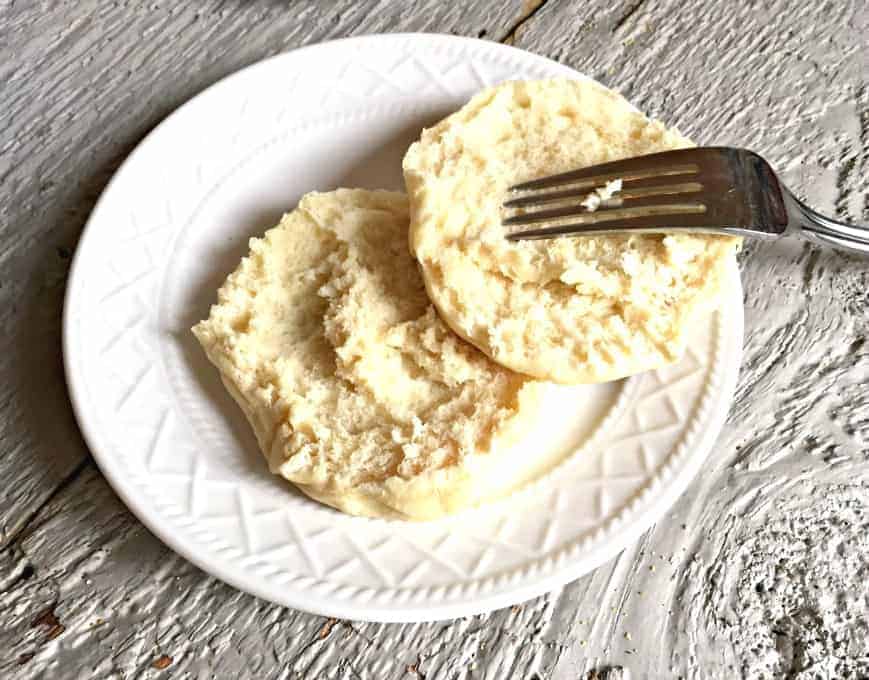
{"x":175,"y":221}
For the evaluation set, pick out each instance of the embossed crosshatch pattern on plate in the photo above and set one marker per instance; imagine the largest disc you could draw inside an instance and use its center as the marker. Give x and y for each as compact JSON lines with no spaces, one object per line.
{"x":173,"y":223}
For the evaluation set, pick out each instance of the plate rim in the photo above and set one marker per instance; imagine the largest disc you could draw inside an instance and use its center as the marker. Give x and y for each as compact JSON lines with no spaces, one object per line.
{"x":230,"y":572}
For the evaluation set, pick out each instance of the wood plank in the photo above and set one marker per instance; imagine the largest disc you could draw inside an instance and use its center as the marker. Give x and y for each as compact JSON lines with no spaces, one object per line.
{"x":788,"y":80}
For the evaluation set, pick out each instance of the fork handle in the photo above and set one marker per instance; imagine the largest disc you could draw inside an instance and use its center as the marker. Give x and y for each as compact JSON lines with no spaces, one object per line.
{"x":825,"y":230}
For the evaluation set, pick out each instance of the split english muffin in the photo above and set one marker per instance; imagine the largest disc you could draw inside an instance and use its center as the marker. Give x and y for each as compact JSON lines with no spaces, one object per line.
{"x":570,"y":310}
{"x":358,"y":393}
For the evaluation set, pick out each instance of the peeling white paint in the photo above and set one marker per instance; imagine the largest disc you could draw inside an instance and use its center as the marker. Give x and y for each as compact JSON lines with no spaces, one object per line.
{"x":82,"y":82}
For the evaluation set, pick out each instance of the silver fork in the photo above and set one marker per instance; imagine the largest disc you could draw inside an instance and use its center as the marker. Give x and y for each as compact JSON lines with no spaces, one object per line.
{"x":719,"y":190}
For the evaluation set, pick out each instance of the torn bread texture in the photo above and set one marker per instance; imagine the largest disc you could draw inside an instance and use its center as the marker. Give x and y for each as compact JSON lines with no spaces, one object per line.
{"x":571,"y":310}
{"x":357,"y":391}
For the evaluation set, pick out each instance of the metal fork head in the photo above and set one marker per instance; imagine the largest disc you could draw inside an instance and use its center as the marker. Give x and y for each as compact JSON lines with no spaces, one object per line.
{"x":719,"y":190}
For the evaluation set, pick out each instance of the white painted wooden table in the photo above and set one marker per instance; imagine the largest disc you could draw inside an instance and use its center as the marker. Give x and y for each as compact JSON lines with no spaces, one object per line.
{"x":86,"y":591}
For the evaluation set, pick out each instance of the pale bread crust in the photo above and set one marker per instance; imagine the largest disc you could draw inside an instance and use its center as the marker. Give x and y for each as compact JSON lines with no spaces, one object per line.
{"x":356,"y":390}
{"x":580,"y":310}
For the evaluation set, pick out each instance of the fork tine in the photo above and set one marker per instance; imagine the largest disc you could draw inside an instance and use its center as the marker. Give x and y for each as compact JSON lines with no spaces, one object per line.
{"x":679,"y":162}
{"x":661,"y":205}
{"x":650,"y":224}
{"x":583,"y":179}
{"x":650,"y":186}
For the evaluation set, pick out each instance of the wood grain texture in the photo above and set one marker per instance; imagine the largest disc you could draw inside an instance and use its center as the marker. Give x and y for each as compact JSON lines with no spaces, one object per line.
{"x":86,"y":591}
